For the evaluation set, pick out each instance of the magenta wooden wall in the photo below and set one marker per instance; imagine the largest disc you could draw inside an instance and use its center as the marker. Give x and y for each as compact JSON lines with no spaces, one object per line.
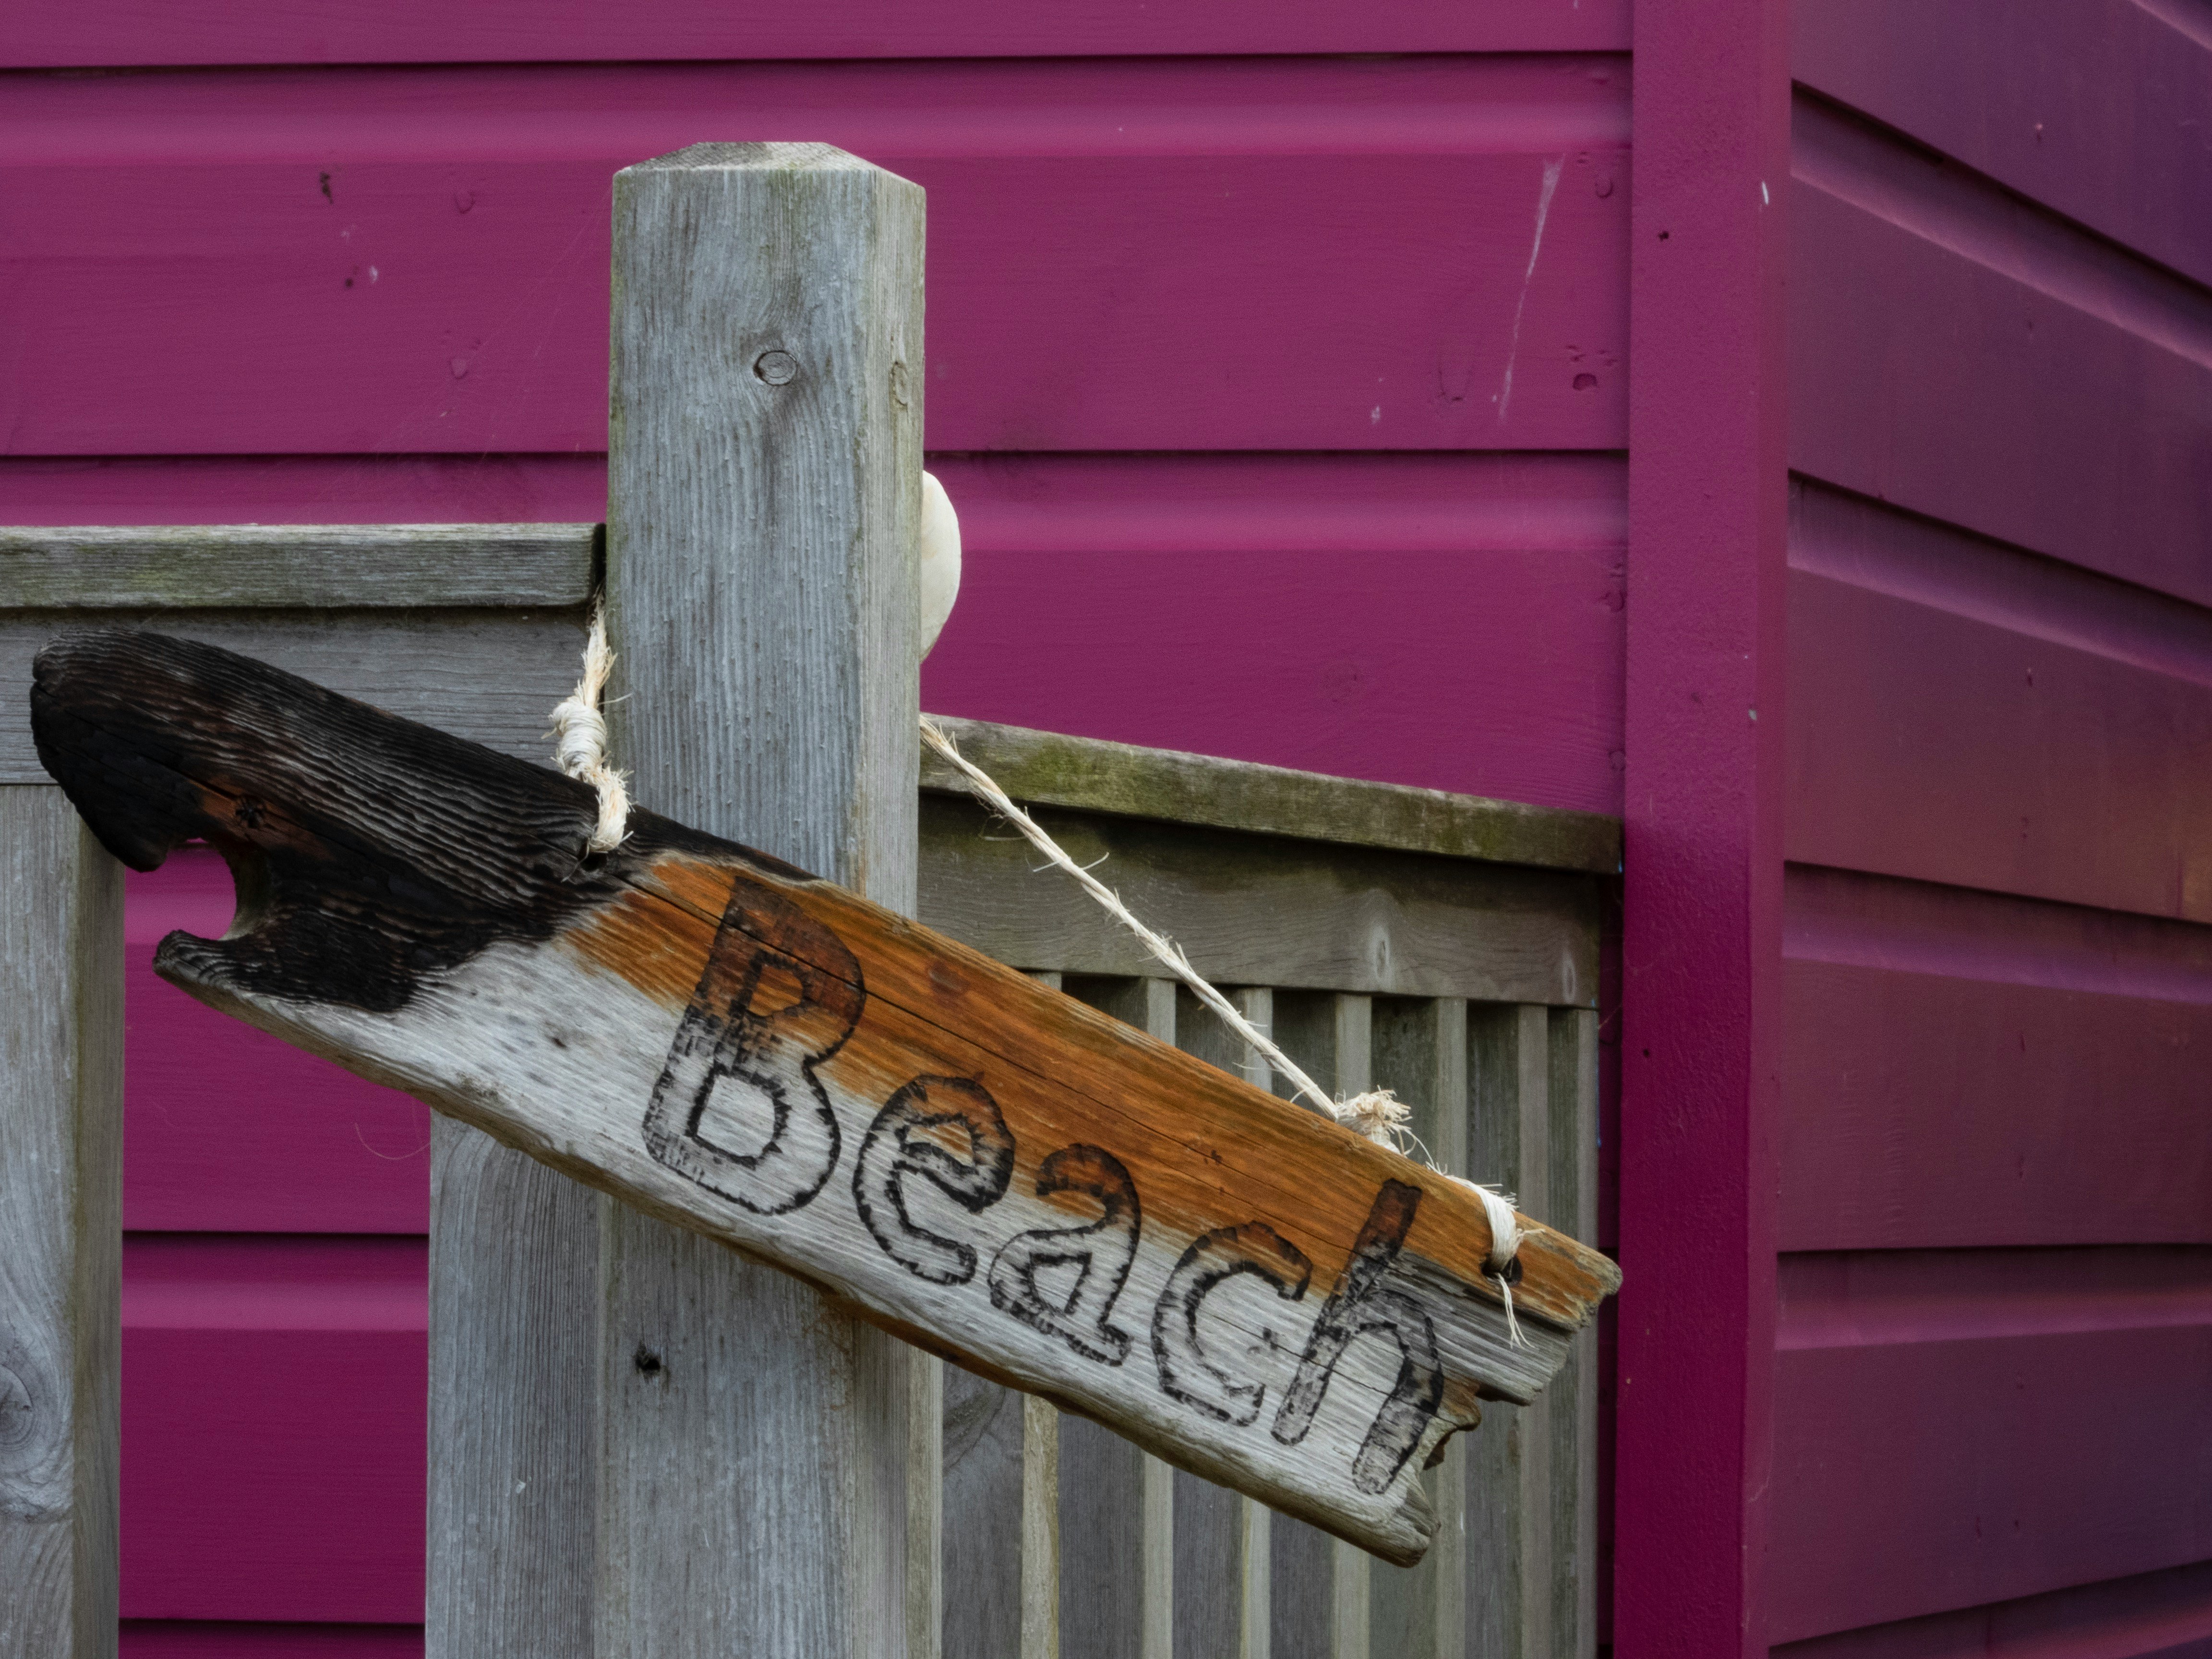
{"x":1277,"y":433}
{"x":1282,"y":392}
{"x":1993,"y":1371}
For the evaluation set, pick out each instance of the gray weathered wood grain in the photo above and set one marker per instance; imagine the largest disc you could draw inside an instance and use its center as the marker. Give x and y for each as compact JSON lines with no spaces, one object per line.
{"x":296,"y":567}
{"x":1040,"y":1576}
{"x":764,"y":498}
{"x":1116,"y":1503}
{"x":490,"y":676}
{"x":514,"y":1290}
{"x":1419,"y":1046}
{"x":1050,"y":768}
{"x":1157,"y":1481}
{"x":1570,"y":1204}
{"x":61,"y":1201}
{"x":1001,"y":1522}
{"x":1262,"y":910}
{"x":1256,"y":1534}
{"x":1351,"y":1612}
{"x":1319,"y":1600}
{"x":1209,"y":1591}
{"x":1508,"y":1562}
{"x":1539,"y":1564}
{"x":986,"y":1447}
{"x":1302,"y":1566}
{"x":1109,"y":1544}
{"x":1447,"y":1569}
{"x":1001,"y":1539}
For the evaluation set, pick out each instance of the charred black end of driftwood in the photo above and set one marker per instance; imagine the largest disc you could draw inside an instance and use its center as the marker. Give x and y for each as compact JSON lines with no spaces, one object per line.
{"x":369,"y":851}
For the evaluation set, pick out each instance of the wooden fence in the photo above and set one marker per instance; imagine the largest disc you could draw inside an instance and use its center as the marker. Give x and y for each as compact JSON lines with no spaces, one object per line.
{"x":1442,"y":947}
{"x":829,"y":1490}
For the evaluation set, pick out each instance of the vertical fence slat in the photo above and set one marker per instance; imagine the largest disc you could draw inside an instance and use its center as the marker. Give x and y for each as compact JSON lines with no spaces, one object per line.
{"x":1509,"y":1058}
{"x":1115,"y":1590}
{"x":1303,"y":1559}
{"x":61,"y":1221}
{"x":1450,"y":1564}
{"x":1255,"y":1575}
{"x":1157,"y":1481}
{"x":759,"y":1452}
{"x":1211,"y":1528}
{"x":1040,"y":1572}
{"x":1571,"y":1195}
{"x":986,"y":1447}
{"x":1040,"y":1634}
{"x":513,"y":1347}
{"x":1421,"y":1054}
{"x":1351,"y":1611}
{"x":1001,"y":1528}
{"x":1532,"y":1174}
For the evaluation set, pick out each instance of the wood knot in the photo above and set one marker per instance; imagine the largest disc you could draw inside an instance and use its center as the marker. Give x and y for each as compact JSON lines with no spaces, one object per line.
{"x":18,"y":1415}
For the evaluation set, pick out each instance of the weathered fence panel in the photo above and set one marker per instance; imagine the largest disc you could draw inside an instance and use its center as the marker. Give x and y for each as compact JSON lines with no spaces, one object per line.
{"x":61,"y":1228}
{"x":1466,"y":984}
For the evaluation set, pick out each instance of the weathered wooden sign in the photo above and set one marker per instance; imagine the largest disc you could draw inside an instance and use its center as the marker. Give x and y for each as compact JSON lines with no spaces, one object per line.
{"x":986,"y":1167}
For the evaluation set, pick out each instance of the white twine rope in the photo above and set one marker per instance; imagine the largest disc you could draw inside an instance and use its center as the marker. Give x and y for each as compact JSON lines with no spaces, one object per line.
{"x":580,"y":739}
{"x":1377,"y":1113}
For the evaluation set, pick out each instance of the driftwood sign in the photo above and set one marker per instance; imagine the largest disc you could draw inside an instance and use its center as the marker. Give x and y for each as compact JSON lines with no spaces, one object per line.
{"x":986,"y":1167}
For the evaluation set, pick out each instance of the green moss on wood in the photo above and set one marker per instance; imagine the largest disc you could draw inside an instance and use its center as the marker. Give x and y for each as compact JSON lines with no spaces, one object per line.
{"x":1051,"y":769}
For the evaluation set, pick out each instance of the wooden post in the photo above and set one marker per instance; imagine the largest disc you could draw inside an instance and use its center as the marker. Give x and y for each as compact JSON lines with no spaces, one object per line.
{"x":513,"y":1288}
{"x":758,"y":1448}
{"x":61,"y":1221}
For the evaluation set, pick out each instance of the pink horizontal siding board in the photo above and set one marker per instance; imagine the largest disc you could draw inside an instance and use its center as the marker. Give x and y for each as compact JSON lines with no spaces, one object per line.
{"x":233,"y":1639}
{"x":1921,"y":1111}
{"x":2000,"y":688}
{"x":2152,"y":1615}
{"x":1966,"y":1068}
{"x":1279,"y":258}
{"x":138,"y":32}
{"x":1942,"y":1442}
{"x":1926,"y":378}
{"x":2052,"y":772}
{"x":1450,"y":623}
{"x":273,"y":1400}
{"x":2097,"y":107}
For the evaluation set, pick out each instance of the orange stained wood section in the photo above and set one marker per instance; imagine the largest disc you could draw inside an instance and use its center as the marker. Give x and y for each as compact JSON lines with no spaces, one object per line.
{"x":1206,"y":1148}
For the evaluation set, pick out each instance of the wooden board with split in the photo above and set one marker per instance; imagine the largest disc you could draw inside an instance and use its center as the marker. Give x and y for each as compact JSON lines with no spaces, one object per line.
{"x":982,"y":1165}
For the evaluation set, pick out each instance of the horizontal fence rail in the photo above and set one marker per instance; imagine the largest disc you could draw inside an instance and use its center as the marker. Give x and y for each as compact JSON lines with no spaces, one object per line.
{"x":475,"y":628}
